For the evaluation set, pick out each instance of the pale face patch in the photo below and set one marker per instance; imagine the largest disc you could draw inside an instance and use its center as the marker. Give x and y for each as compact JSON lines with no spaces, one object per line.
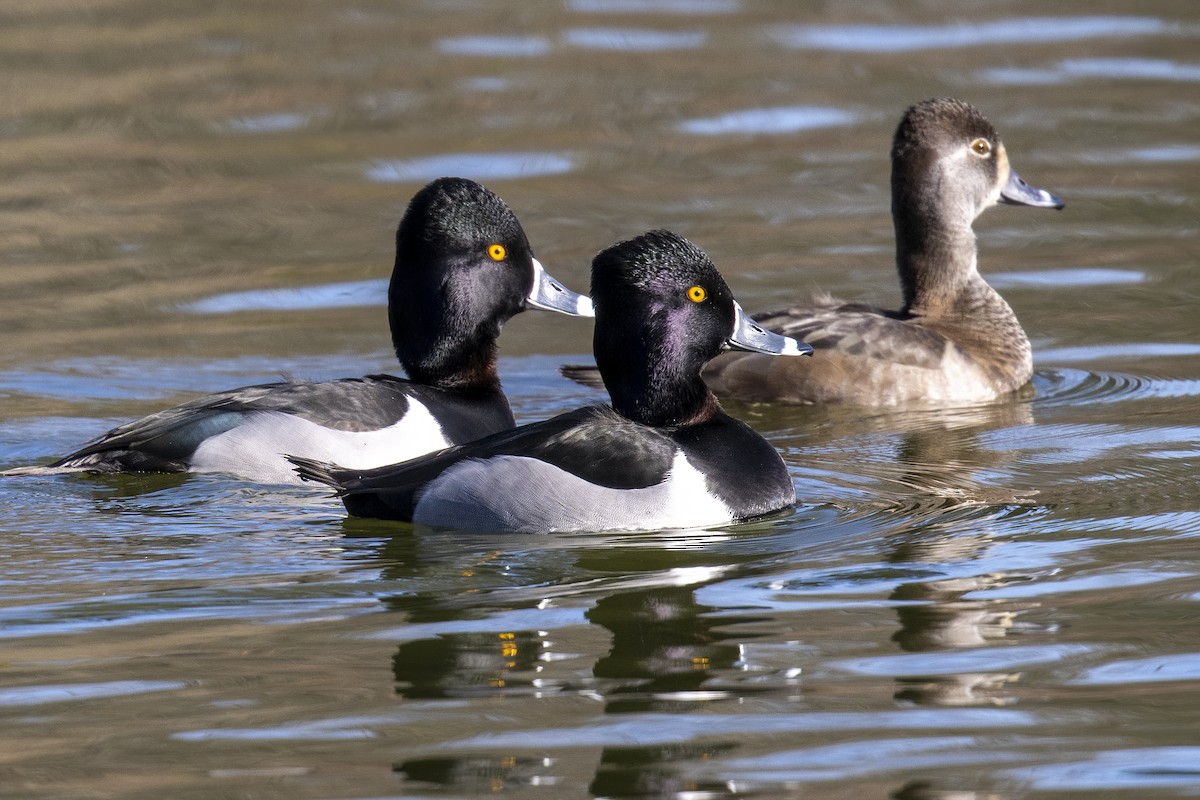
{"x":256,"y":448}
{"x":516,"y":493}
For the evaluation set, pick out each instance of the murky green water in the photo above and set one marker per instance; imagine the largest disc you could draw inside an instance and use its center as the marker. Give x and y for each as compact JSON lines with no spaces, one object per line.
{"x":987,"y":603}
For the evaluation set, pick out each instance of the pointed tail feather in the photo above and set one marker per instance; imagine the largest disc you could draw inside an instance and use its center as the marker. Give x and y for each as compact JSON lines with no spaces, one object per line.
{"x":49,"y":469}
{"x":314,"y":471}
{"x":586,"y":374}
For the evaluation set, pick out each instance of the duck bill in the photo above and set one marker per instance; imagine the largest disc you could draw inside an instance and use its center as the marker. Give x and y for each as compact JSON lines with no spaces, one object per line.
{"x":1019,"y":193}
{"x":749,"y":335}
{"x":550,"y":295}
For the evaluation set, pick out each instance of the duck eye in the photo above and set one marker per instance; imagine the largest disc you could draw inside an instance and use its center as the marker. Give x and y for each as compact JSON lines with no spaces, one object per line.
{"x":497,"y":252}
{"x":981,"y":147}
{"x":697,"y":294}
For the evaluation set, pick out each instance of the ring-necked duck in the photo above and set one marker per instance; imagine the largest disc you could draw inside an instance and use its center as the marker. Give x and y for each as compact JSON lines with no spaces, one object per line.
{"x":955,"y":341}
{"x":463,"y":268}
{"x":665,"y":455}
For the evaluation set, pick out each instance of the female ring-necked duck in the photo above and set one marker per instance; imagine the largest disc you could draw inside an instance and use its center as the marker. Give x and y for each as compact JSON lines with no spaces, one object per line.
{"x":463,"y":268}
{"x":665,"y":455}
{"x":955,"y":340}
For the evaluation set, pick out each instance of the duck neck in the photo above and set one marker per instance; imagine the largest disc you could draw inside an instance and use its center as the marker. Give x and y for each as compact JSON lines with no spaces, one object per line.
{"x":936,"y":259}
{"x":942,"y":285}
{"x":433,"y":351}
{"x":657,"y":395}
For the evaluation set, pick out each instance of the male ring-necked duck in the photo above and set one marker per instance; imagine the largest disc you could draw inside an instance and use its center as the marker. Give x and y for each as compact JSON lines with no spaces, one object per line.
{"x":955,"y":341}
{"x":665,"y":455}
{"x":463,"y":268}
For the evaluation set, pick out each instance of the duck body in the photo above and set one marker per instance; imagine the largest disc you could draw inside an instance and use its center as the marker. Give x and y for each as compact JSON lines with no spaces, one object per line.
{"x":463,"y":267}
{"x":587,"y":470}
{"x":868,"y":356}
{"x":362,"y":422}
{"x":665,"y":455}
{"x":954,"y":340}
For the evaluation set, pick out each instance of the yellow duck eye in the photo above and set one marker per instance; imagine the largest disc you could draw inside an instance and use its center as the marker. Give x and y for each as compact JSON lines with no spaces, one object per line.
{"x":697,"y":294}
{"x":497,"y":252}
{"x":981,"y":147}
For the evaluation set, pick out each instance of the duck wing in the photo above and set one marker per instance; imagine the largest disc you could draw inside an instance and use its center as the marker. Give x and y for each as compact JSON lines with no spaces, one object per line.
{"x":165,"y":440}
{"x":592,"y":443}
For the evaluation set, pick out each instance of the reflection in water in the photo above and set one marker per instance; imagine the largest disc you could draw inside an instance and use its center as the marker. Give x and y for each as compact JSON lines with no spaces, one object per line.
{"x":480,"y":774}
{"x":664,"y":649}
{"x":480,"y":166}
{"x":633,"y":40}
{"x":470,"y":664}
{"x":923,"y":461}
{"x":928,"y":790}
{"x":904,"y":38}
{"x":934,"y":616}
{"x":688,"y":7}
{"x":221,"y":640}
{"x":1140,"y":69}
{"x":505,"y":46}
{"x":769,"y":121}
{"x":660,"y":772}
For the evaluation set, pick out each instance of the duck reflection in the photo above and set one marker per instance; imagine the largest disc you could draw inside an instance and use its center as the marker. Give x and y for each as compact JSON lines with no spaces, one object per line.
{"x":468,"y":664}
{"x":941,"y":468}
{"x":935,"y":616}
{"x":940,"y":615}
{"x":664,"y":649}
{"x":912,"y":460}
{"x":927,"y":790}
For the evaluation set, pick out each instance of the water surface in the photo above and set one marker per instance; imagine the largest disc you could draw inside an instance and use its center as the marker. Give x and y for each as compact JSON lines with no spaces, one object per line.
{"x":992,"y":602}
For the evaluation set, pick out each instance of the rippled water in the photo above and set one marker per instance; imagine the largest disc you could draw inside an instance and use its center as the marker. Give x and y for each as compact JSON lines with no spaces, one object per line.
{"x":993,"y":602}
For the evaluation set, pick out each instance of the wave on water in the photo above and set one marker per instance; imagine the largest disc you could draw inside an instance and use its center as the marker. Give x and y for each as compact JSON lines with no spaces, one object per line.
{"x":1061,"y":387}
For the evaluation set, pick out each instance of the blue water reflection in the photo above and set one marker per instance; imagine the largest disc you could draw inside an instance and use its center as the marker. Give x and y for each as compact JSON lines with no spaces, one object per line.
{"x":633,"y":40}
{"x":298,"y":298}
{"x":788,"y":119}
{"x":902,"y":38}
{"x":491,"y":46}
{"x":1144,"y":69}
{"x":479,"y":166}
{"x":685,"y":7}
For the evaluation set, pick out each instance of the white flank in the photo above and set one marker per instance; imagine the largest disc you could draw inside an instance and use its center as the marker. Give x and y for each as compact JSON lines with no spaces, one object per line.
{"x":516,"y":493}
{"x":256,"y":448}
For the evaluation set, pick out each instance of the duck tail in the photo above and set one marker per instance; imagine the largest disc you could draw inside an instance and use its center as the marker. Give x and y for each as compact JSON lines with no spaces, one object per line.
{"x":586,"y":374}
{"x":314,"y":471}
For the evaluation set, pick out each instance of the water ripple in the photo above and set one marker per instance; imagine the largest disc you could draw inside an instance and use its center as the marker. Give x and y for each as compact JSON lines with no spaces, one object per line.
{"x":314,"y":731}
{"x":1177,"y":667}
{"x":645,"y":729}
{"x":1056,"y":387}
{"x":298,"y":298}
{"x":70,"y":692}
{"x":954,"y":662}
{"x":1156,"y":69}
{"x":1021,"y":30}
{"x":1105,"y":771}
{"x":517,"y":46}
{"x":1067,"y":278}
{"x":479,"y":166}
{"x":1162,"y":153}
{"x":269,"y":123}
{"x":624,"y":39}
{"x":789,"y":119}
{"x":687,"y":7}
{"x":858,"y":758}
